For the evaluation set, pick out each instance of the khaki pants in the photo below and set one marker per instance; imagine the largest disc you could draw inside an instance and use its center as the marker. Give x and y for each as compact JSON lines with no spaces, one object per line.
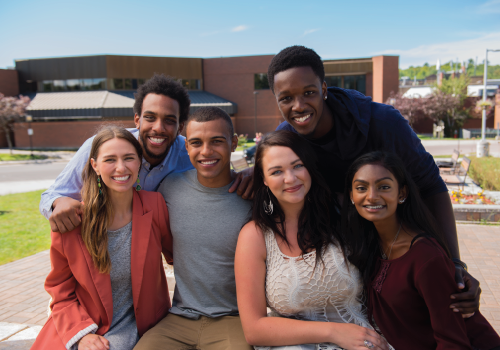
{"x":181,"y":333}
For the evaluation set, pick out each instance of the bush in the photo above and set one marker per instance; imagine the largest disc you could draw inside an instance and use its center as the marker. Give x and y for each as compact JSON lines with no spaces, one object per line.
{"x":486,"y":172}
{"x":242,"y":139}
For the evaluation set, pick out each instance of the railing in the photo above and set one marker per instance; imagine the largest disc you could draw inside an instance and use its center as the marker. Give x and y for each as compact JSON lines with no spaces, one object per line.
{"x":470,"y":133}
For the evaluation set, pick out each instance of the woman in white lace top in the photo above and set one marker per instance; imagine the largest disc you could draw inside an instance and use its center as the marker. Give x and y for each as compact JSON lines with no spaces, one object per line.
{"x":290,"y":259}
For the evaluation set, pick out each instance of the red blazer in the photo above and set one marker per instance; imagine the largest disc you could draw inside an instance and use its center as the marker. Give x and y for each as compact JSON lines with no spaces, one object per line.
{"x":82,"y":296}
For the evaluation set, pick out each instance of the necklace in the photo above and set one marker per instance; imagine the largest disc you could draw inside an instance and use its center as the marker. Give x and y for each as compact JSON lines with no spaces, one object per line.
{"x":392,"y":245}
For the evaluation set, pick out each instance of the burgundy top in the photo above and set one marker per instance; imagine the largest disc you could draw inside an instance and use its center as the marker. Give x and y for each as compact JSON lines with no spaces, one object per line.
{"x":409,"y":299}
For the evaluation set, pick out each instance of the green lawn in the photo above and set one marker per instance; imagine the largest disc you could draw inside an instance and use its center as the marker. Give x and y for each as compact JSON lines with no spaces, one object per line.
{"x":8,"y":157}
{"x":486,"y":171}
{"x":248,"y":145}
{"x":23,"y":230}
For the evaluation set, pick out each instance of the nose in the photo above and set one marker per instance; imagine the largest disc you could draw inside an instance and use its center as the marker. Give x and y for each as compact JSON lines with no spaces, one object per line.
{"x":372,"y":194}
{"x":120,"y":166}
{"x":206,"y":150}
{"x":289,"y":177}
{"x":158,"y":126}
{"x":298,"y":104}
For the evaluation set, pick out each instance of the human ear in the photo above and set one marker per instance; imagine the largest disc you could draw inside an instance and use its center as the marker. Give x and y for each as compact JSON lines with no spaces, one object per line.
{"x":181,"y":127}
{"x":94,"y":166}
{"x":137,"y":121}
{"x":403,"y":193}
{"x":234,"y":142}
{"x":324,"y":90}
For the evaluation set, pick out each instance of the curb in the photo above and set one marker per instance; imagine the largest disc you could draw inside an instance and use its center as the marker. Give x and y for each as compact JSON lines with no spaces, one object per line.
{"x":35,"y":161}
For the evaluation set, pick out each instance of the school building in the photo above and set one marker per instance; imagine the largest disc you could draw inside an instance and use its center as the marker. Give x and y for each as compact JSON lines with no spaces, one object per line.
{"x":72,"y":96}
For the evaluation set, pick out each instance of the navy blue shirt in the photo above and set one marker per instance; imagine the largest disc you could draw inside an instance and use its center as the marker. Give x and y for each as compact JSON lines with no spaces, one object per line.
{"x":361,"y":126}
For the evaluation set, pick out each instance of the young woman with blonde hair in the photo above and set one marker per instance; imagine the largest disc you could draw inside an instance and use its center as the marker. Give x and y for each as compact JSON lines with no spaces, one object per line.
{"x":107,"y":282}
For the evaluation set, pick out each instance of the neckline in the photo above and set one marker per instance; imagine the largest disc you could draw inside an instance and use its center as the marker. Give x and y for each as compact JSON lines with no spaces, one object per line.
{"x":287,"y":256}
{"x":118,"y":229}
{"x":405,"y":254}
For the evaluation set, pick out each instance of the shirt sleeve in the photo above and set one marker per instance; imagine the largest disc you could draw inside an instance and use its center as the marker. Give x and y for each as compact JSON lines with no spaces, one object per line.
{"x":69,"y":181}
{"x":435,"y":282}
{"x":420,"y":164}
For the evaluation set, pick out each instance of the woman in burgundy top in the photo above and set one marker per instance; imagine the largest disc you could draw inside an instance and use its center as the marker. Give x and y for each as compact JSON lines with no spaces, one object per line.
{"x":405,"y":265}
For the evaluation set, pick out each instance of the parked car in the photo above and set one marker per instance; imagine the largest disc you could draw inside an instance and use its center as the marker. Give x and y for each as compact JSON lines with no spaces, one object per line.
{"x":249,"y":154}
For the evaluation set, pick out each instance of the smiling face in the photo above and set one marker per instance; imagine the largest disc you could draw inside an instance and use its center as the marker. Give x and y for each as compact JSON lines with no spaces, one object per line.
{"x":300,"y":95}
{"x":209,"y":145}
{"x":376,"y":194}
{"x":158,"y":126}
{"x":285,"y":175}
{"x":118,"y":165}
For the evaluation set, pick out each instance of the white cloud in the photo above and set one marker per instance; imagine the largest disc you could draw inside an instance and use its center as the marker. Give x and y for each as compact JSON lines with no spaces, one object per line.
{"x":309,"y":31}
{"x":490,"y":7}
{"x":239,"y":28}
{"x":463,"y":50}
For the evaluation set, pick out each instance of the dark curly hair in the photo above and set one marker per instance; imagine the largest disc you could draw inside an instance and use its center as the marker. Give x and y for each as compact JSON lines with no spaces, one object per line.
{"x":207,"y":114}
{"x":295,"y":56}
{"x":317,"y":220}
{"x":167,"y":86}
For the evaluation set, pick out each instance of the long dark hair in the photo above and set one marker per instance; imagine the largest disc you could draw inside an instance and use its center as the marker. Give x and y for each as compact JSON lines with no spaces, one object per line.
{"x":98,"y":210}
{"x":361,"y":235}
{"x":315,"y":228}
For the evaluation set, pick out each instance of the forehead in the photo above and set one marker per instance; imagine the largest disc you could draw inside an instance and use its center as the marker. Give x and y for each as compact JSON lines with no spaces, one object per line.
{"x":372,"y":172}
{"x":116,"y":147}
{"x":160,"y":104}
{"x":295,"y":78}
{"x":208,"y":129}
{"x":278,"y":155}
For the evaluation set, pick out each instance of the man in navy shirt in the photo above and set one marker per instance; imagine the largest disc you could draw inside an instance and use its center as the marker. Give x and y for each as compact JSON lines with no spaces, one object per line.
{"x":344,"y":124}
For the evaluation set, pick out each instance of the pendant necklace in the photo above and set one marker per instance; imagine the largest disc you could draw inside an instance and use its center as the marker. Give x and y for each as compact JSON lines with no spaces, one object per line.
{"x":392,"y":245}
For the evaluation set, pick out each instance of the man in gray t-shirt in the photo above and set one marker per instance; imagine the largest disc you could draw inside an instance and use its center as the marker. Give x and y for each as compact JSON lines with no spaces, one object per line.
{"x":205,"y":220}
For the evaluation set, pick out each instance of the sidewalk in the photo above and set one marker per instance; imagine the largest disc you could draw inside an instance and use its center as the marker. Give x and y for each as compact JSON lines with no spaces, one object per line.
{"x":23,"y":300}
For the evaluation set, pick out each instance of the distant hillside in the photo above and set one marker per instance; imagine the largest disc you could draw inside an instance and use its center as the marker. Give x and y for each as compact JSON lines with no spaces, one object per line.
{"x":426,"y":70}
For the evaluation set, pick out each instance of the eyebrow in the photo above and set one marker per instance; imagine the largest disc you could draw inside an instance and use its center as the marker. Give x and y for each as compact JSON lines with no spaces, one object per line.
{"x":155,"y":114}
{"x":212,"y":138}
{"x":365,"y":182}
{"x":279,"y":166}
{"x":287,"y":92}
{"x":114,"y":155}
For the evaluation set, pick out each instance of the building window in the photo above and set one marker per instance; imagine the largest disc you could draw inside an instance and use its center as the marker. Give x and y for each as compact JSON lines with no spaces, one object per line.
{"x":191,"y":84}
{"x":354,"y":82}
{"x":261,"y":82}
{"x":72,"y":85}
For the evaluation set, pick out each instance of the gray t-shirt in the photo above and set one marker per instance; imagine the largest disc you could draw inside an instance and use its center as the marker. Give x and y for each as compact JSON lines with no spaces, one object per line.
{"x":122,"y":333}
{"x":205,"y":224}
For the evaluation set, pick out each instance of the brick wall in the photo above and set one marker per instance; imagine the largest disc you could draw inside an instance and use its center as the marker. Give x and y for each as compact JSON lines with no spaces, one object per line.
{"x":9,"y":82}
{"x":385,"y":77}
{"x":69,"y":134}
{"x":233,"y":78}
{"x":496,"y":122}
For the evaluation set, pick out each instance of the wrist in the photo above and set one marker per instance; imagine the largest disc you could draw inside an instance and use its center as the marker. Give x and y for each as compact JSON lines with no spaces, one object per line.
{"x":459,"y":263}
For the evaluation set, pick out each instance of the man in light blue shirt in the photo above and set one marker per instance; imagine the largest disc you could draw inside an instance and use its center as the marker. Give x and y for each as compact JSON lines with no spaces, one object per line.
{"x":161,"y":108}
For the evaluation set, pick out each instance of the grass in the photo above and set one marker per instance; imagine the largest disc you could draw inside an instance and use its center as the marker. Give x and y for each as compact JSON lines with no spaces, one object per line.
{"x":486,"y":172}
{"x":8,"y":157}
{"x":23,"y":230}
{"x":248,"y":145}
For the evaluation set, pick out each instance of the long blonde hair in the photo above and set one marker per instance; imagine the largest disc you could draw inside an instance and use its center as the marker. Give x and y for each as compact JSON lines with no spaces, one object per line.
{"x":97,"y":209}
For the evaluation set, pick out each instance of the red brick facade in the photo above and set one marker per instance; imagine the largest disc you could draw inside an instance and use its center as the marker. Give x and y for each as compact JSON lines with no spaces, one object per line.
{"x":385,"y":77}
{"x":9,"y":82}
{"x":59,"y":134}
{"x":233,"y":78}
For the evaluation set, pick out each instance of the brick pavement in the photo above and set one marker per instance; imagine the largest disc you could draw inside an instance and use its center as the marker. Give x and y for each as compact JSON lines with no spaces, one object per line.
{"x":24,"y":301}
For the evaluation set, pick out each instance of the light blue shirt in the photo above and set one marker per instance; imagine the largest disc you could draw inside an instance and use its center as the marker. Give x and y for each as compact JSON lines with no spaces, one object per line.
{"x":69,"y":182}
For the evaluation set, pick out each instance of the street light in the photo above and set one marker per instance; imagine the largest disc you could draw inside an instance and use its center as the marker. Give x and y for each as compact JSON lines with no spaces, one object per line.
{"x":29,"y":119}
{"x":255,"y":111}
{"x":483,"y":146}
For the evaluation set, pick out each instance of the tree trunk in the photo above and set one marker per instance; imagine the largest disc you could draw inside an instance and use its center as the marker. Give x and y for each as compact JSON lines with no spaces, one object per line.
{"x":6,"y":129}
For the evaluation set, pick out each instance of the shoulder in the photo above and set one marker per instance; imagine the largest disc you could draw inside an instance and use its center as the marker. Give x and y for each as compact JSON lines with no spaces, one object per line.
{"x":385,"y":113}
{"x":176,"y":182}
{"x":428,"y":254}
{"x":149,"y":195}
{"x":59,"y":240}
{"x":251,"y":239}
{"x":285,"y":126}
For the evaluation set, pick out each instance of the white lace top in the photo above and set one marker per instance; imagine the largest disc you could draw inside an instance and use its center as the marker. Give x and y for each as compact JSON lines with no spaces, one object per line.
{"x":330,"y":292}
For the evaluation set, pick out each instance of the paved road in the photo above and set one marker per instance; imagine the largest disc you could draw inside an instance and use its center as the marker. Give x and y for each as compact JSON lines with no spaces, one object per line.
{"x":466,"y":147}
{"x":30,"y":172}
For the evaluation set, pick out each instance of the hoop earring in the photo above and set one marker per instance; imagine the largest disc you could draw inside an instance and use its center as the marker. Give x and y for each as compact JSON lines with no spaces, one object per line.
{"x":99,"y":184}
{"x":268,"y":208}
{"x":402,"y":201}
{"x":138,"y":187}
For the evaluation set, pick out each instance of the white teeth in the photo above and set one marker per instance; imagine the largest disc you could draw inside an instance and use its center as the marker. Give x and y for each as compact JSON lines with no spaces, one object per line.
{"x":156,"y":140}
{"x":208,"y":162}
{"x":374,"y":206}
{"x":121,"y":178}
{"x":302,"y":119}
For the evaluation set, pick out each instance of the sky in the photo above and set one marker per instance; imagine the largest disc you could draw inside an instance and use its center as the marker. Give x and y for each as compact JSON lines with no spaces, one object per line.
{"x":418,"y":31}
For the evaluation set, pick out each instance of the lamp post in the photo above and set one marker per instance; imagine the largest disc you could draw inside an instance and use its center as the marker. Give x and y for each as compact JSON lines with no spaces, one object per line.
{"x":255,"y":93}
{"x":483,"y":146}
{"x":29,"y":119}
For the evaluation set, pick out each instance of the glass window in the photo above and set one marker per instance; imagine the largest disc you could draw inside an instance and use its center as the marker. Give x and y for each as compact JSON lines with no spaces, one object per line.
{"x":98,"y":84}
{"x":333,"y":81}
{"x":59,"y":85}
{"x":350,"y":82}
{"x":117,"y":84}
{"x":73,"y":84}
{"x":361,"y":83}
{"x":134,"y":84}
{"x":47,"y":85}
{"x":127,"y":84}
{"x":86,"y":84}
{"x":261,"y":82}
{"x":190,"y":84}
{"x":140,"y":81}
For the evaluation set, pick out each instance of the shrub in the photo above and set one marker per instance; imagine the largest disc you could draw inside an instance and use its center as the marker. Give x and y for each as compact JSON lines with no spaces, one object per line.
{"x":486,"y":172}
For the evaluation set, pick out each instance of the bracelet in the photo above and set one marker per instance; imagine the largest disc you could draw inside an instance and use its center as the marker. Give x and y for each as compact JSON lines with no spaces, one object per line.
{"x":460,"y":262}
